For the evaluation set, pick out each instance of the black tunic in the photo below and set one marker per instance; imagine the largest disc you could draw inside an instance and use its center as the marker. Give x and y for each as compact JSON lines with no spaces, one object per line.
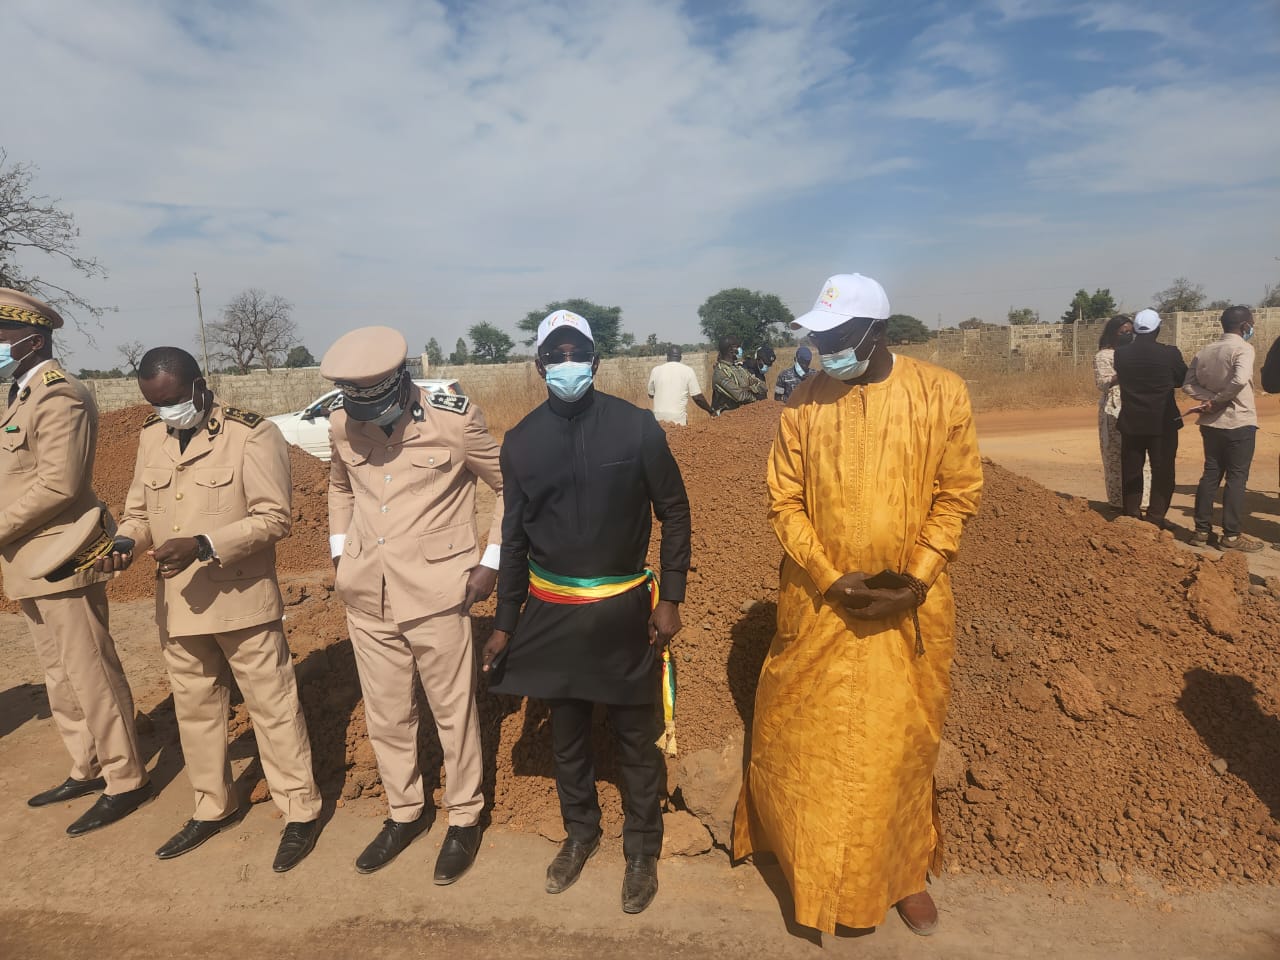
{"x":579,"y":480}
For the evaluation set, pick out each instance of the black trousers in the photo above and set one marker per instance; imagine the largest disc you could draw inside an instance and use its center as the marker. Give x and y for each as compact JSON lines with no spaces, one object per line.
{"x":640,"y":770}
{"x":1162,"y":449}
{"x":1228,"y":452}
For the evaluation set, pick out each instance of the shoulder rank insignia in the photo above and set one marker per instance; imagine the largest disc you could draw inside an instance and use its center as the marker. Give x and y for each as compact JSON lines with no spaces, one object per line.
{"x":448,"y":401}
{"x":246,"y":417}
{"x":214,"y":426}
{"x":26,"y":392}
{"x":54,"y":376}
{"x":417,"y":413}
{"x":152,"y":420}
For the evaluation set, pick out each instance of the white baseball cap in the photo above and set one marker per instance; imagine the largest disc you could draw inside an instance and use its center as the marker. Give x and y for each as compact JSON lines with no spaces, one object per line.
{"x":843,"y":297}
{"x":1147,"y":321}
{"x":563,"y":318}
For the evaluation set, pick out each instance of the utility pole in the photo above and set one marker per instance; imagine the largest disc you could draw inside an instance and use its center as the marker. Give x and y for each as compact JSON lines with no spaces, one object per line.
{"x":204,"y":343}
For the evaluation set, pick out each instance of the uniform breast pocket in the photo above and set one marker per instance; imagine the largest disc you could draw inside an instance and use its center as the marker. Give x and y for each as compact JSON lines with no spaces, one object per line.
{"x":156,"y":484}
{"x":430,"y":464}
{"x":15,"y":454}
{"x":214,"y":488}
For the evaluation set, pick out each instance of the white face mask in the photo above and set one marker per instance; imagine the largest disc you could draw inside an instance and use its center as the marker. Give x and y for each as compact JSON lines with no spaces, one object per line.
{"x":181,"y":416}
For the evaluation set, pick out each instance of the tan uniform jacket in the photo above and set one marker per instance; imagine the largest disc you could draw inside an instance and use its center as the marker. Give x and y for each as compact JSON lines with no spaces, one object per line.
{"x":407,"y":504}
{"x":47,"y":440}
{"x":232,"y":484}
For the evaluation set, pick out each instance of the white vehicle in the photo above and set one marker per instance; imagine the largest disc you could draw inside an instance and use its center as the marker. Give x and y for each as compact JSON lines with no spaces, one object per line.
{"x":308,"y":428}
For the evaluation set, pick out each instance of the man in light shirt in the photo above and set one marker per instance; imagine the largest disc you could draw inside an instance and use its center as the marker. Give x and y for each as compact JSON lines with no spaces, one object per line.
{"x":672,"y":385}
{"x":1221,"y":378}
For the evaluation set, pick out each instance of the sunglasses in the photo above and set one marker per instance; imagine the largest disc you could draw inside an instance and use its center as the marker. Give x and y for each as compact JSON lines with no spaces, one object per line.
{"x":568,"y":355}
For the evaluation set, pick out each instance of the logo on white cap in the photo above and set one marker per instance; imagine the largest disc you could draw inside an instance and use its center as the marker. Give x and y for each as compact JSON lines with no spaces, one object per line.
{"x":563,"y":318}
{"x":1147,"y":321}
{"x":843,"y":297}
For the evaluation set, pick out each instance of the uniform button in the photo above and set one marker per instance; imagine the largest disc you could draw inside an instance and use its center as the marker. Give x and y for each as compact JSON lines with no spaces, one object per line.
{"x":387,"y":478}
{"x":449,"y":547}
{"x":181,"y":468}
{"x":176,"y":529}
{"x":382,"y":540}
{"x":431,"y":461}
{"x":385,"y":509}
{"x":177,"y":496}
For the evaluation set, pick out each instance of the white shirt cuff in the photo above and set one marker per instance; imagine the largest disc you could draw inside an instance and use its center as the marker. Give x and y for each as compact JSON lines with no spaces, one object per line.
{"x":336,"y":543}
{"x":492,"y":556}
{"x":213,"y":550}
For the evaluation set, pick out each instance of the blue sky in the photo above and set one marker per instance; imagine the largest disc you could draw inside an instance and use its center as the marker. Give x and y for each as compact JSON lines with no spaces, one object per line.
{"x":433,"y":165}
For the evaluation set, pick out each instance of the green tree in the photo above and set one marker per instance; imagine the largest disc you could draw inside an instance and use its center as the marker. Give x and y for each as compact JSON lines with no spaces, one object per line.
{"x":299,"y":356}
{"x":1096,"y":306}
{"x":904,"y":328}
{"x":460,"y":353}
{"x":1180,"y":296}
{"x":652,"y":347}
{"x":1022,"y":316}
{"x":745,"y":314}
{"x":489,"y":344}
{"x":605,"y":323}
{"x":435,"y":356}
{"x":87,"y":373}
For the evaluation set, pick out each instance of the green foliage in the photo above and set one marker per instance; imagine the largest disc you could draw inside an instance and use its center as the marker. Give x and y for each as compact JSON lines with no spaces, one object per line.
{"x":87,"y":373}
{"x":745,"y":314}
{"x":1181,"y":296}
{"x":489,"y":344}
{"x":605,"y":323}
{"x":435,"y":356}
{"x":1022,"y":316}
{"x":299,"y":356}
{"x":1099,"y":305}
{"x":904,"y":328}
{"x":460,"y":353}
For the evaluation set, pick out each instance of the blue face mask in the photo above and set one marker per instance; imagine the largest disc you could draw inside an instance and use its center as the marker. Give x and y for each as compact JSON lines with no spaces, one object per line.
{"x":1248,"y":334}
{"x":801,"y":371}
{"x":7,"y":362}
{"x":844,"y":364}
{"x":739,"y":353}
{"x":569,"y":380}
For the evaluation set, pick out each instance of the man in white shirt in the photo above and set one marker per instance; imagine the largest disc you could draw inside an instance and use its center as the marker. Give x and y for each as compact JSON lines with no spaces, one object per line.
{"x":672,"y":385}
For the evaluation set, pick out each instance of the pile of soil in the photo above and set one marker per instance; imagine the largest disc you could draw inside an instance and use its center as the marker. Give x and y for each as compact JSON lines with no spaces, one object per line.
{"x":1114,"y":712}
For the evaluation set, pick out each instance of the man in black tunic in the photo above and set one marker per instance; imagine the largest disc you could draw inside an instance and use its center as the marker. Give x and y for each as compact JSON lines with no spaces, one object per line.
{"x":580,"y":475}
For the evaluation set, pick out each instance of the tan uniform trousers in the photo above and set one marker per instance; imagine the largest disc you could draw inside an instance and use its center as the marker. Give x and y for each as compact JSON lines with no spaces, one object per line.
{"x":438,"y":650}
{"x":89,"y":696}
{"x":258,"y":658}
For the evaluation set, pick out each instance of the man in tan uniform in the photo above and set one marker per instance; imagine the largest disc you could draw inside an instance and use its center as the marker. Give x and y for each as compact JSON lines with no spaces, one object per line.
{"x":48,"y":435}
{"x":211,"y":495}
{"x":402,"y":516}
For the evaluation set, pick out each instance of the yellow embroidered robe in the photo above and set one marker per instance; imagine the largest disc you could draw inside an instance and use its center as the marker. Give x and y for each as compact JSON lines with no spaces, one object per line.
{"x":847,"y":718}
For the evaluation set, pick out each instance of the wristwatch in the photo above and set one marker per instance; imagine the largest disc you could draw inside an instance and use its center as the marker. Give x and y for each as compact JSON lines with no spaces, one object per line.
{"x":204,"y":549}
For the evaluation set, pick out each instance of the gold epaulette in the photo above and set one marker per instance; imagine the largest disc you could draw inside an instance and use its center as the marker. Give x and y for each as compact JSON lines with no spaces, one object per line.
{"x":152,"y":420}
{"x":247,"y":417}
{"x":448,"y":401}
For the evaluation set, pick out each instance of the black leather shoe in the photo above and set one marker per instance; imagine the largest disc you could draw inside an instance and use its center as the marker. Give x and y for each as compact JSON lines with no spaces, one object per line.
{"x":69,"y":789}
{"x":194,"y":833}
{"x":639,"y":883}
{"x":109,"y":808}
{"x":298,"y":840}
{"x":457,"y":853}
{"x":563,"y":871}
{"x":387,"y":845}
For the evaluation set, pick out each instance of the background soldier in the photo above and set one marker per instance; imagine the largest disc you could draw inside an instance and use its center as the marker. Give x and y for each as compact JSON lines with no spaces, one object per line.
{"x":402,"y":515}
{"x":732,"y":384}
{"x":211,"y":495}
{"x":794,"y":375}
{"x":48,"y":436}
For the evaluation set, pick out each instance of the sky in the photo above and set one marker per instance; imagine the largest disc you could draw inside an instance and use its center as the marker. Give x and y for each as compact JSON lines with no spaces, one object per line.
{"x":431,"y":165}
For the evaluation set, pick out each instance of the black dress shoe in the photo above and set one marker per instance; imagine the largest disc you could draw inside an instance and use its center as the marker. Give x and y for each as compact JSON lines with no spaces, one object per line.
{"x":457,"y":853}
{"x":194,"y":833}
{"x":298,"y":840}
{"x":109,"y":808}
{"x":639,"y":883}
{"x":387,"y":845}
{"x":69,"y":789}
{"x":564,"y":869}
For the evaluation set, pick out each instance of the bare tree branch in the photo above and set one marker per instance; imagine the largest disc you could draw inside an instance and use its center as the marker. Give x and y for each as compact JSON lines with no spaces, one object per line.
{"x":131,"y":352}
{"x":255,"y":328}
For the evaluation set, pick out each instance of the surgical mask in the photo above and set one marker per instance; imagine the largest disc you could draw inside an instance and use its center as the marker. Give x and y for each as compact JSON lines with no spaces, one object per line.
{"x":739,"y":353}
{"x":391,"y":415}
{"x":1248,"y":334}
{"x":844,"y":364}
{"x":569,"y":380}
{"x":764,"y":368}
{"x":7,"y":362}
{"x":801,"y":371}
{"x":181,"y":416}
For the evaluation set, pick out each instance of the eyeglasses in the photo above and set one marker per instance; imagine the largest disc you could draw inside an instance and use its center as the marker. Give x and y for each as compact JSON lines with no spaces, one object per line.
{"x":842,"y":337}
{"x":568,"y":355}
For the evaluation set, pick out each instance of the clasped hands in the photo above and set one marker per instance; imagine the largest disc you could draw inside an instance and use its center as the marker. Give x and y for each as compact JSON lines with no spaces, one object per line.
{"x":171,"y":557}
{"x":866,"y":603}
